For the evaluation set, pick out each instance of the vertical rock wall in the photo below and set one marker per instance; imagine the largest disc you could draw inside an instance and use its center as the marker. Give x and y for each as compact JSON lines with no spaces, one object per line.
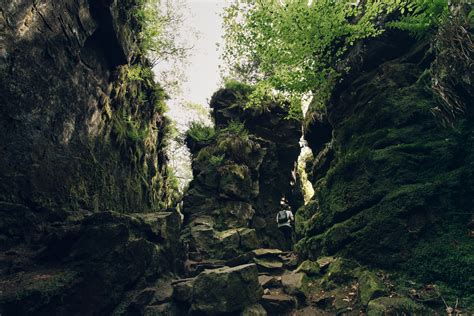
{"x":239,"y":178}
{"x":82,"y":136}
{"x":77,"y":130}
{"x":394,"y":187}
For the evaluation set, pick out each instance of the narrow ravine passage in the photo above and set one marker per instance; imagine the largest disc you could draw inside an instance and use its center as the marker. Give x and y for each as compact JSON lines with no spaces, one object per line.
{"x":92,"y":217}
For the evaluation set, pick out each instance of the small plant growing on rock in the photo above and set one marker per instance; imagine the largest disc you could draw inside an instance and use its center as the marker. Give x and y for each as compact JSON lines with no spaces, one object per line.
{"x":236,"y":128}
{"x":216,"y":160}
{"x":200,"y":133}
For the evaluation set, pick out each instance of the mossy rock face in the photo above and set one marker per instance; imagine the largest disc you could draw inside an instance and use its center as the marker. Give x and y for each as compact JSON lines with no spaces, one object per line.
{"x":370,"y":286}
{"x":239,"y":177}
{"x":340,"y":271}
{"x":86,"y":148}
{"x":183,"y":291}
{"x":399,"y":188}
{"x":235,"y":182}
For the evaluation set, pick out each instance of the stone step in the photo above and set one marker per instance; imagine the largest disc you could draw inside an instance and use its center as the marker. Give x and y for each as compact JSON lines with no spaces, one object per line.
{"x":311,"y":311}
{"x":193,"y":268}
{"x":268,"y":252}
{"x":278,"y":304}
{"x":268,"y":264}
{"x":269,"y":281}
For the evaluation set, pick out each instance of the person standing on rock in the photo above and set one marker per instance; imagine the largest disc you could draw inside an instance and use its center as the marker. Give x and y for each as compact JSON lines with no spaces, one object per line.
{"x":284,"y":219}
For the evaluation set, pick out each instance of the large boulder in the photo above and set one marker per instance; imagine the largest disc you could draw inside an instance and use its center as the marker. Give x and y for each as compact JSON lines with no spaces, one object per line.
{"x":226,"y":290}
{"x":95,"y":264}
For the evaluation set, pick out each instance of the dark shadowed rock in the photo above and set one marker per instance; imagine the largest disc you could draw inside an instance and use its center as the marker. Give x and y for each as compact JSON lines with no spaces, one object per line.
{"x":278,"y":303}
{"x":254,"y":310}
{"x":183,"y":290}
{"x":96,"y":264}
{"x":166,"y":309}
{"x":269,"y":281}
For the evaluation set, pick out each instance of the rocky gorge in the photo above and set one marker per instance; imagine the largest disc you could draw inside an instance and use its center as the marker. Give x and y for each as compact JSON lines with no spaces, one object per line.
{"x":91,"y":222}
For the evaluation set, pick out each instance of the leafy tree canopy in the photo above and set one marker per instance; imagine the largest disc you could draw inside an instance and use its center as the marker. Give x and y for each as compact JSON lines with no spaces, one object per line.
{"x":295,"y":47}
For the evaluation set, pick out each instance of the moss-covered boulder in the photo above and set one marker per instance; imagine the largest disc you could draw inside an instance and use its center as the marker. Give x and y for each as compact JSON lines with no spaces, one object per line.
{"x":254,"y":310}
{"x":309,"y":267}
{"x":226,"y":290}
{"x":370,"y":286}
{"x":395,"y":306}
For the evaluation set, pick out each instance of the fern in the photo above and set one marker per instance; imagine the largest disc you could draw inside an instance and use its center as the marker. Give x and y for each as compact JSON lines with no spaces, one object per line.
{"x":423,"y":18}
{"x":201,"y":133}
{"x":236,"y":128}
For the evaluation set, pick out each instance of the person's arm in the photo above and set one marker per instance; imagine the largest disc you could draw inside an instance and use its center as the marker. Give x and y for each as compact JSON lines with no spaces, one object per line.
{"x":292,"y":218}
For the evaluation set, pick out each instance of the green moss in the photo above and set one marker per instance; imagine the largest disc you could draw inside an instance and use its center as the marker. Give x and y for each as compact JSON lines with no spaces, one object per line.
{"x":395,"y":306}
{"x":237,"y":86}
{"x":310,"y":268}
{"x":370,"y":286}
{"x":216,"y":161}
{"x":447,"y":256}
{"x":395,"y":193}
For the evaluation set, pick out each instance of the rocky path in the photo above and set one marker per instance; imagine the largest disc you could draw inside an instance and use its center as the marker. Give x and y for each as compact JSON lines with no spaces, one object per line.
{"x":260,"y":282}
{"x":271,"y":282}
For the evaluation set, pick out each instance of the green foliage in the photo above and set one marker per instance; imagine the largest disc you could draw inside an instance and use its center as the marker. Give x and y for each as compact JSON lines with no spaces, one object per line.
{"x":158,"y":22}
{"x":201,"y":133}
{"x":159,"y":98}
{"x":237,"y":86}
{"x":452,"y":72}
{"x":160,"y":28}
{"x":295,"y":47}
{"x":216,"y":160}
{"x":423,"y":17}
{"x":236,"y":128}
{"x":127,"y":130}
{"x":172,"y":186}
{"x":139,"y":73}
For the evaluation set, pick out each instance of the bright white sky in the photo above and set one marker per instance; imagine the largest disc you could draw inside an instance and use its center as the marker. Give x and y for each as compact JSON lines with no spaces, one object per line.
{"x":203,"y":72}
{"x":202,"y":76}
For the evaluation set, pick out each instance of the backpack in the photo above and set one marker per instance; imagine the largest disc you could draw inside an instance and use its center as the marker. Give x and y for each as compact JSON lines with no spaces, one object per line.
{"x":282,"y":217}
